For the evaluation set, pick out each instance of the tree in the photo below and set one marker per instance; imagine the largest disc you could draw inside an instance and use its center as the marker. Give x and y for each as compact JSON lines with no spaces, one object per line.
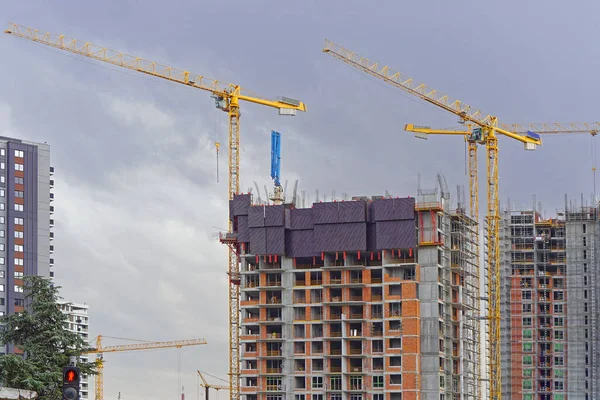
{"x":40,"y":333}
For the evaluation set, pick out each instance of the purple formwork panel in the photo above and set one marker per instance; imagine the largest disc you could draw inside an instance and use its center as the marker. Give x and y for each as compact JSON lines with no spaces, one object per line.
{"x":240,"y":204}
{"x":275,"y":240}
{"x":395,"y":234}
{"x":339,"y":212}
{"x":258,"y":241}
{"x":300,"y":243}
{"x":243,"y":233}
{"x":392,"y":209}
{"x":257,"y":216}
{"x":327,"y":227}
{"x":301,"y":218}
{"x":341,"y":237}
{"x":274,"y":215}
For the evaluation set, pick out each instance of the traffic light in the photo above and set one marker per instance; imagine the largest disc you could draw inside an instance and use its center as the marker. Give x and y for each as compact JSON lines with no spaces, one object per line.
{"x":70,"y":388}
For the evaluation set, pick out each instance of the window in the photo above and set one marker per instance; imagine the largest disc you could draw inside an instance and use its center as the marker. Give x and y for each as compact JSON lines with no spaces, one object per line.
{"x":527,"y":347}
{"x":317,"y":382}
{"x":19,"y":194}
{"x":18,"y":261}
{"x":558,"y":385}
{"x":529,"y":396}
{"x":18,"y":207}
{"x":558,"y":361}
{"x":19,"y":180}
{"x":558,"y":321}
{"x":2,"y":152}
{"x":527,"y":385}
{"x":1,"y":274}
{"x":527,"y":333}
{"x":18,"y":167}
{"x":2,"y":179}
{"x":528,"y":373}
{"x":559,"y":295}
{"x":2,"y":260}
{"x":2,"y":193}
{"x":526,"y":295}
{"x":19,"y":302}
{"x":2,"y":165}
{"x":559,"y":347}
{"x":1,"y":301}
{"x":18,"y":221}
{"x":526,"y":308}
{"x":335,"y":383}
{"x":559,"y":335}
{"x":559,"y":373}
{"x":18,"y":289}
{"x":2,"y":220}
{"x":19,"y":153}
{"x":19,"y":234}
{"x":2,"y":233}
{"x":527,"y":360}
{"x":1,"y":288}
{"x":19,"y":247}
{"x":18,"y":275}
{"x":558,"y":309}
{"x":2,"y":205}
{"x":378,"y":382}
{"x":527,"y":321}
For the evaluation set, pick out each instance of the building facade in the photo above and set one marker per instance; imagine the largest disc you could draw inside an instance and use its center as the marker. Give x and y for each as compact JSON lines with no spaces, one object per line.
{"x":550,"y":305}
{"x":374,"y":298}
{"x":25,"y":219}
{"x":78,"y":322}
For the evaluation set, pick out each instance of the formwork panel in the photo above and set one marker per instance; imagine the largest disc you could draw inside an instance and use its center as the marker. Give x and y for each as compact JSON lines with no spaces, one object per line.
{"x":340,"y":237}
{"x":395,"y":234}
{"x":258,"y":240}
{"x":300,"y":243}
{"x":393,"y":209}
{"x":301,"y":218}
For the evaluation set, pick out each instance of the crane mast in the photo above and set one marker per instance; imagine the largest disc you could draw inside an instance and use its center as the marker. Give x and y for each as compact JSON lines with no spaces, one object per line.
{"x":227,"y":98}
{"x":490,"y":128}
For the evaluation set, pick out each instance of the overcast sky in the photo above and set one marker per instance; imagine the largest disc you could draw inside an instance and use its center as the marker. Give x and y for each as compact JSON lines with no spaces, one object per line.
{"x":137,"y":200}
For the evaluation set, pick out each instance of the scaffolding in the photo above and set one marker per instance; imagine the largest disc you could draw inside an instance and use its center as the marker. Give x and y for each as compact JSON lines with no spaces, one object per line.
{"x":549,"y":305}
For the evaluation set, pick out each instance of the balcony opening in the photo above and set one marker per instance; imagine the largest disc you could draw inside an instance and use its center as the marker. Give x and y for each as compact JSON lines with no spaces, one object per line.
{"x":376,"y":276}
{"x":299,"y":348}
{"x":317,"y":331}
{"x":299,"y":296}
{"x":356,"y":312}
{"x":335,"y":277}
{"x":317,"y":365}
{"x":317,"y":348}
{"x":316,"y":278}
{"x":316,"y":313}
{"x":335,"y":347}
{"x":356,"y":294}
{"x":376,"y":311}
{"x":299,"y":279}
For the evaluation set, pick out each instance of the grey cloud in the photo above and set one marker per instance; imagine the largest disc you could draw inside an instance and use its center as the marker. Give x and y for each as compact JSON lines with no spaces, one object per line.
{"x":136,"y":190}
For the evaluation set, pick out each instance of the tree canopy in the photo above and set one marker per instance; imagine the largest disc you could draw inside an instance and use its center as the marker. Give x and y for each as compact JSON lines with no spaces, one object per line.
{"x":40,"y":333}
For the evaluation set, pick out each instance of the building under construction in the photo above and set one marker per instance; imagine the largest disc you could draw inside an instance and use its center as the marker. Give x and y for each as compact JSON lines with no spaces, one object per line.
{"x":550,"y":330}
{"x":372,"y":298}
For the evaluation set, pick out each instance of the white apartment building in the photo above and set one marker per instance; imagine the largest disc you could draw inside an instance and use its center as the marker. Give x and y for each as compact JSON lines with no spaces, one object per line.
{"x":78,"y":322}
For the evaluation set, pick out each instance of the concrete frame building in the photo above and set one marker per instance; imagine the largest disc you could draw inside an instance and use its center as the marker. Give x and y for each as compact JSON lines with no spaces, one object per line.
{"x":25,"y":219}
{"x":374,"y":298}
{"x":78,"y":321}
{"x":551,"y":327}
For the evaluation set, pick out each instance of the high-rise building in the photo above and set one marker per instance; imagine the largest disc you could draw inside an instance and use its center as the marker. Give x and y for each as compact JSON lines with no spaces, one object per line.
{"x":374,"y":298}
{"x":550,"y":327}
{"x":25,"y":219}
{"x":78,"y":322}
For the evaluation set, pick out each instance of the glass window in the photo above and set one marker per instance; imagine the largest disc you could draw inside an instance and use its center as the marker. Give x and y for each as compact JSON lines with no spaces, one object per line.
{"x":527,"y":333}
{"x":527,"y":385}
{"x":527,"y":347}
{"x":527,"y":360}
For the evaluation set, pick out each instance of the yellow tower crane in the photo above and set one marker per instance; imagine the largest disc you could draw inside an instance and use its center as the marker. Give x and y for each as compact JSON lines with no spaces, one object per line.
{"x":99,"y":350}
{"x":227,"y":98}
{"x":207,"y":385}
{"x":472,"y":137}
{"x":490,"y":128}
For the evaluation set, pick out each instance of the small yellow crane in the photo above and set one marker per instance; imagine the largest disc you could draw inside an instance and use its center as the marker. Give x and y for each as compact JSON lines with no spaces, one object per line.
{"x":227,"y":98}
{"x":99,"y":350}
{"x":489,"y":130}
{"x":207,"y":385}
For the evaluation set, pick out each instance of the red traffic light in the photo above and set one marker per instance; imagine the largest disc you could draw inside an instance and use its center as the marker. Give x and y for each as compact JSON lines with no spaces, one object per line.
{"x":71,"y":375}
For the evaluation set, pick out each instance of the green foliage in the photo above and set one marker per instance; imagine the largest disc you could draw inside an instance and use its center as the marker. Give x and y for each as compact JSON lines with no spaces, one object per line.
{"x":40,"y":333}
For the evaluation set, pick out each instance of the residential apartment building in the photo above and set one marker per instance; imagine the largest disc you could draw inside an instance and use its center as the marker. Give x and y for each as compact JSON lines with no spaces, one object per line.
{"x":25,"y":219}
{"x":374,"y":298}
{"x":550,"y":329}
{"x":78,"y":322}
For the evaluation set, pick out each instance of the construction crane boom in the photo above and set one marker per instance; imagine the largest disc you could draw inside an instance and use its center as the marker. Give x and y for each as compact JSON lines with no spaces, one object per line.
{"x":489,"y":128}
{"x":471,"y":138}
{"x":99,"y":350}
{"x":207,"y":386}
{"x":227,"y":98}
